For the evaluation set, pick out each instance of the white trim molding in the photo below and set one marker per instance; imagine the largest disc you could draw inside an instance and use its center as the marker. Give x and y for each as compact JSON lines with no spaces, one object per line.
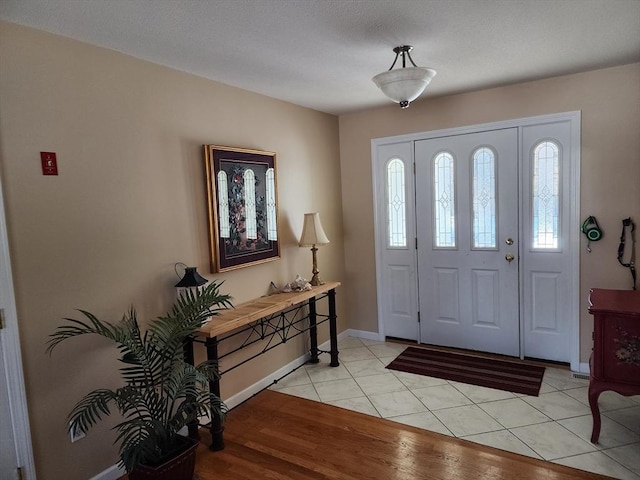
{"x":10,"y":339}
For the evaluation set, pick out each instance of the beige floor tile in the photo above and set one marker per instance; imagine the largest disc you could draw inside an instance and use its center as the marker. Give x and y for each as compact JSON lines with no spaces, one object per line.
{"x":373,"y":384}
{"x":303,"y":391}
{"x":394,"y":404}
{"x":387,"y":349}
{"x":557,"y":405}
{"x":562,"y":379}
{"x":338,"y":390}
{"x":357,"y":404}
{"x":413,"y":381}
{"x":467,"y":420}
{"x":322,"y":372}
{"x":363,"y":368}
{"x":356,"y":353}
{"x":504,"y":440}
{"x":608,"y":400}
{"x":628,"y":455}
{"x":551,"y":440}
{"x":424,"y":420}
{"x":441,"y":396}
{"x":629,"y":417}
{"x":479,"y":394}
{"x":598,"y":462}
{"x":514,"y":412}
{"x":349,"y":342}
{"x":612,"y":434}
{"x":387,"y":360}
{"x":544,"y":388}
{"x":299,"y":377}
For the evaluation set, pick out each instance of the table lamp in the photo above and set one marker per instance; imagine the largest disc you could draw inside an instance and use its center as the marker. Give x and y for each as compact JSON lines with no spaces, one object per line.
{"x":312,"y":235}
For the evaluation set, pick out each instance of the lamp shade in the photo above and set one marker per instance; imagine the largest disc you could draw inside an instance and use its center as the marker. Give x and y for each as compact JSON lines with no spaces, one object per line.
{"x":312,"y":231}
{"x":404,"y":85}
{"x":191,"y":278}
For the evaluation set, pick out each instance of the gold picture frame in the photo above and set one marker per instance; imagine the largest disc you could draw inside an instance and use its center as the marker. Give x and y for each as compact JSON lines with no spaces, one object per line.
{"x":242,"y":201}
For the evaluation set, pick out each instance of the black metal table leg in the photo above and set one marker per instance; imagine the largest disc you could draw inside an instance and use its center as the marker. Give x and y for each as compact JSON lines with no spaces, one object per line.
{"x":217,"y":425}
{"x":187,"y":349}
{"x":313,"y":331}
{"x":333,"y":328}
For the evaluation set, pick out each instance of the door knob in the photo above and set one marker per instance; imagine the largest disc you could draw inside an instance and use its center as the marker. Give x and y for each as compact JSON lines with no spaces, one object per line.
{"x":509,"y":257}
{"x":509,"y":241}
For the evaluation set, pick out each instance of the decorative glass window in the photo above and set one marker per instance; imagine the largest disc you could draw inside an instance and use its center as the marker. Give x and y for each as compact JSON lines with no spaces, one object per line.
{"x":396,"y":204}
{"x":272,"y":227}
{"x":250,"y":221}
{"x":545,"y":196}
{"x":223,"y":204}
{"x":484,"y":198}
{"x":444,"y":200}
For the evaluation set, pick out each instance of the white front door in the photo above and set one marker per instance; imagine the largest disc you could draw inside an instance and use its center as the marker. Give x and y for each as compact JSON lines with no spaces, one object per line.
{"x":445,"y":238}
{"x":467,"y":227}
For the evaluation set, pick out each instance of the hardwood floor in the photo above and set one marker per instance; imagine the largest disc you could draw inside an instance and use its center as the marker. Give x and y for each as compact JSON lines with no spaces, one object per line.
{"x":277,"y":436}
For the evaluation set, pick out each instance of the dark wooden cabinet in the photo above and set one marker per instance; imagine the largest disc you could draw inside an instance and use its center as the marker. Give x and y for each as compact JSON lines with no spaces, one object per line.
{"x":615,"y":360}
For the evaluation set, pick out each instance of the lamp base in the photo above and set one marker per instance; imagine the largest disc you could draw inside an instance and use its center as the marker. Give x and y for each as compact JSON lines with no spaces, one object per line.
{"x":315,"y":280}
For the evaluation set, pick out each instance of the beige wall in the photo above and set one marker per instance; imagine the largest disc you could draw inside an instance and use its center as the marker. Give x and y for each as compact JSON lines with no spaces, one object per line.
{"x":129,"y":203}
{"x":610,"y":169}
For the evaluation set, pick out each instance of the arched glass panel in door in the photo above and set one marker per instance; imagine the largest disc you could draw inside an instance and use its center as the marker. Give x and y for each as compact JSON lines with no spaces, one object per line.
{"x":545,"y":196}
{"x":444,"y":201}
{"x":484,"y":198}
{"x":396,"y":204}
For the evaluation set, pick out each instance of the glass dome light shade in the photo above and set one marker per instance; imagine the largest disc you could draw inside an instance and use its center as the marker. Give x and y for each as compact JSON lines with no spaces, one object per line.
{"x":404,"y":84}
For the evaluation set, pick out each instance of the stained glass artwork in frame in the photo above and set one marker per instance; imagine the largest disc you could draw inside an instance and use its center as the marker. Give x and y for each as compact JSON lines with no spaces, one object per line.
{"x":242,"y":205}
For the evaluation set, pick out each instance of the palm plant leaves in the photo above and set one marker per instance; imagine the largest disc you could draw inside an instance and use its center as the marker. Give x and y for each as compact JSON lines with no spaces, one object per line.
{"x":162,"y":393}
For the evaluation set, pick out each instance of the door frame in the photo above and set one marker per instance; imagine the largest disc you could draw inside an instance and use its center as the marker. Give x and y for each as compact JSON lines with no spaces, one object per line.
{"x":10,"y":339}
{"x":574,"y":117}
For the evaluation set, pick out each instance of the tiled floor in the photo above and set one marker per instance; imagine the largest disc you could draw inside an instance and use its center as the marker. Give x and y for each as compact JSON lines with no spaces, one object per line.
{"x":555,"y":426}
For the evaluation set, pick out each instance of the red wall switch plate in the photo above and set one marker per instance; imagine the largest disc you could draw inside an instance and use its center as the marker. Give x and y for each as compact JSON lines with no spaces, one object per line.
{"x":49,"y":163}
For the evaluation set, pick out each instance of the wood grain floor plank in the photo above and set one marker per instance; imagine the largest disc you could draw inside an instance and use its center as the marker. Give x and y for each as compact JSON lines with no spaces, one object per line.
{"x":282,"y":437}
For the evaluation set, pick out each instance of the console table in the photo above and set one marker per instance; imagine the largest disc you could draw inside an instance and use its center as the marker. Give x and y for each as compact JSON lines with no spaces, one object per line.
{"x":272,"y":320}
{"x":615,"y":360}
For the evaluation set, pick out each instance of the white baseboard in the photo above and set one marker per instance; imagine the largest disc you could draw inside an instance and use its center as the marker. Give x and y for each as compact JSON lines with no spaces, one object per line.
{"x":112,"y":473}
{"x":584,"y":368}
{"x":257,"y":387}
{"x":362,"y":334}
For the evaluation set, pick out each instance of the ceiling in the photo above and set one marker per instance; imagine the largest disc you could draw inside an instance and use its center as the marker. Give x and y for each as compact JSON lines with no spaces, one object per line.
{"x":322,"y":54}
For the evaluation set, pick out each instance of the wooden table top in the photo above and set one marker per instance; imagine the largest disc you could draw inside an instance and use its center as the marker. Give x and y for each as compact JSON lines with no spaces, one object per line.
{"x":254,"y":310}
{"x":614,"y":301}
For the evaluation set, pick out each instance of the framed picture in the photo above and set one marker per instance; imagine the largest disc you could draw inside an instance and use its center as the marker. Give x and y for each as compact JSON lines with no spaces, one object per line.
{"x":242,"y":200}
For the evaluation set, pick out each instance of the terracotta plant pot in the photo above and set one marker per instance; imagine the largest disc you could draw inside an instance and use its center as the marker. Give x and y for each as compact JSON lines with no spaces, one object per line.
{"x":180,"y":467}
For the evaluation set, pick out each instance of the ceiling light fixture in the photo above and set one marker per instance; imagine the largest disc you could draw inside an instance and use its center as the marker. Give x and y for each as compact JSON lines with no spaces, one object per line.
{"x":404,"y":85}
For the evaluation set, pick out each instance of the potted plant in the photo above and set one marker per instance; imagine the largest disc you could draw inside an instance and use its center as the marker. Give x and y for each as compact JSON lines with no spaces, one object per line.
{"x":162,"y":393}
